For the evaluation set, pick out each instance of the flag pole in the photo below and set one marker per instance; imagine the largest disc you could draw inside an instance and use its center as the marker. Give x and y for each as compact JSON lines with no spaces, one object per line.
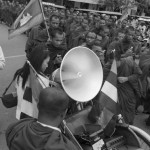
{"x":71,"y":136}
{"x":44,"y":19}
{"x":36,"y":74}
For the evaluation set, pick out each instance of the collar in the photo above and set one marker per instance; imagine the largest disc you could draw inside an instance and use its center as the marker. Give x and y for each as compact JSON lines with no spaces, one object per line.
{"x":48,"y":126}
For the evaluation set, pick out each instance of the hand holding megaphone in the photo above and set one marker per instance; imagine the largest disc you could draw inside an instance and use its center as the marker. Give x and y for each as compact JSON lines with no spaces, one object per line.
{"x":58,"y":59}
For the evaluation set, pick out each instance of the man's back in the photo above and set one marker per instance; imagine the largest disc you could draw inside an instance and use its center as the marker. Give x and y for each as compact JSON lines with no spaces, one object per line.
{"x":28,"y":134}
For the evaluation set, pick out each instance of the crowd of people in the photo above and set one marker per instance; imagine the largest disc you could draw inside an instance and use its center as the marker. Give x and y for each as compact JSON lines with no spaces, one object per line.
{"x":9,"y":11}
{"x":45,"y":48}
{"x":101,"y":33}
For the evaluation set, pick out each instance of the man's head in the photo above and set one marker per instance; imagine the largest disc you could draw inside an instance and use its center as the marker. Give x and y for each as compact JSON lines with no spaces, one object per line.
{"x":79,"y":19}
{"x":54,"y":21}
{"x":57,"y":37}
{"x":98,"y":40}
{"x":99,"y":52}
{"x":85,"y":15}
{"x":85,"y":24}
{"x":102,"y":22}
{"x":130,"y":31}
{"x":90,"y":38}
{"x":53,"y":103}
{"x":120,"y":35}
{"x":104,"y":31}
{"x":97,"y":18}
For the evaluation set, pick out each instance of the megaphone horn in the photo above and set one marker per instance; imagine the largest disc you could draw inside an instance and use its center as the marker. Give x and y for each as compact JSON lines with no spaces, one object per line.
{"x":80,"y":73}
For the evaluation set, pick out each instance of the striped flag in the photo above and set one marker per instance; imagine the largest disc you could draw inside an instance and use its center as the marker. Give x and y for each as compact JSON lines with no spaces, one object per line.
{"x":32,"y":15}
{"x":109,"y":97}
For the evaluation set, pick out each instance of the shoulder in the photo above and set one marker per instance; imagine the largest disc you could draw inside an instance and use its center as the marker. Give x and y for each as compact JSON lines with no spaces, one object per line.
{"x":19,"y":123}
{"x":14,"y":128}
{"x":114,"y":43}
{"x":129,"y":61}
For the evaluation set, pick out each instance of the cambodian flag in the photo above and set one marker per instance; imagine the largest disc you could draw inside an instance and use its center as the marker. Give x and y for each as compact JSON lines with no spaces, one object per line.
{"x":32,"y":15}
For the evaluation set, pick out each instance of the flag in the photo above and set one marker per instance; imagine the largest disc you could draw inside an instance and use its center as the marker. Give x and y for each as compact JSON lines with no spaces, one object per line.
{"x":29,"y":96}
{"x":109,"y":97}
{"x":37,"y":84}
{"x":32,"y":15}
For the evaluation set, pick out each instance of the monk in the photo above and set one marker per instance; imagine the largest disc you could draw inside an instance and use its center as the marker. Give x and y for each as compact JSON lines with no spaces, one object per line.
{"x":128,"y":87}
{"x":128,"y":74}
{"x":43,"y":133}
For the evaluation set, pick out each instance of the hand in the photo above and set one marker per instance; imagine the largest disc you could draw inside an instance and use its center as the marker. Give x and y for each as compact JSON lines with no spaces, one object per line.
{"x":55,"y":84}
{"x":58,"y":60}
{"x":122,"y":79}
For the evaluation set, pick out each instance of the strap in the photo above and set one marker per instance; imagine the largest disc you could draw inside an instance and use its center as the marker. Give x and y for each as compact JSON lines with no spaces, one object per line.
{"x":8,"y":87}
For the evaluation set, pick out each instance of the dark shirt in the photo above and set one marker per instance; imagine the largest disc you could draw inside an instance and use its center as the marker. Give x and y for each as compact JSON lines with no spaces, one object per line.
{"x":53,"y":52}
{"x":28,"y":134}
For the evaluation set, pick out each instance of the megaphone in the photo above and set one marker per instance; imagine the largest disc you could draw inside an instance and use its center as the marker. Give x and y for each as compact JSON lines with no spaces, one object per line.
{"x":81,"y":74}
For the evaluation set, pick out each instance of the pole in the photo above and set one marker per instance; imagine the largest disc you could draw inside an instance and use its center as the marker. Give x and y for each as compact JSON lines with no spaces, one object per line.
{"x":44,"y":19}
{"x":71,"y":136}
{"x":36,"y":74}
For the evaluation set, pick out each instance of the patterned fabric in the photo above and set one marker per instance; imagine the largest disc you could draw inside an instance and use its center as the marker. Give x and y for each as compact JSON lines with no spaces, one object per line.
{"x":28,"y":97}
{"x":29,"y":17}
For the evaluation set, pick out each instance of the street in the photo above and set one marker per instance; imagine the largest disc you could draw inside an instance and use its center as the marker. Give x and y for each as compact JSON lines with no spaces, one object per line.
{"x":15,"y":57}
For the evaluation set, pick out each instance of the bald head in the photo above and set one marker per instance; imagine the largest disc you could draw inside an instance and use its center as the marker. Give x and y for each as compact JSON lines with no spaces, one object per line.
{"x":53,"y":102}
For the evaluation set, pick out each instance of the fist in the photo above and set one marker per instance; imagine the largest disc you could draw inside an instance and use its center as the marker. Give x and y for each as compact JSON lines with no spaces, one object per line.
{"x":58,"y":59}
{"x":122,"y":79}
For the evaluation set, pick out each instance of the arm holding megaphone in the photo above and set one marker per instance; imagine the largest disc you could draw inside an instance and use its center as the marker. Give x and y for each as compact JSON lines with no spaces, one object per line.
{"x":58,"y":59}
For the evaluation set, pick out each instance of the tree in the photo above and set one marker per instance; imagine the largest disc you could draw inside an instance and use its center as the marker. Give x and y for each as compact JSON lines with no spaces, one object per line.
{"x":109,"y":5}
{"x":142,"y":6}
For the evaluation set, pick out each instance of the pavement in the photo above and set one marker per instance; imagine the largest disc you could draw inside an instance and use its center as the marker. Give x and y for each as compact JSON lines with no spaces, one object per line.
{"x":15,"y":57}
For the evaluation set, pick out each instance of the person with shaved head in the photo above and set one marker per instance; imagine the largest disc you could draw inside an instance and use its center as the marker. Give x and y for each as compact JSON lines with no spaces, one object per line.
{"x":43,"y":133}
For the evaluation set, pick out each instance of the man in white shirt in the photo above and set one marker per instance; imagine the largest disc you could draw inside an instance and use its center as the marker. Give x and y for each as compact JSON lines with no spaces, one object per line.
{"x":2,"y":59}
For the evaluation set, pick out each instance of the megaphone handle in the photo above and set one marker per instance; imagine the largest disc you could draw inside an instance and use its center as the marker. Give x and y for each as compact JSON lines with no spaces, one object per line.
{"x":79,"y":106}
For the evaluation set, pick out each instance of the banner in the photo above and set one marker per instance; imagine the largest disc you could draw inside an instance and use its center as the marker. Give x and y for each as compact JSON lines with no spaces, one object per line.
{"x":31,"y":16}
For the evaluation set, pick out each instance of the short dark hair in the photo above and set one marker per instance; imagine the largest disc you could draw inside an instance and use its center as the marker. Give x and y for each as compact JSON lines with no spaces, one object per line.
{"x":38,"y":55}
{"x":54,"y":16}
{"x":91,"y":31}
{"x":53,"y":102}
{"x":56,"y":31}
{"x":36,"y":58}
